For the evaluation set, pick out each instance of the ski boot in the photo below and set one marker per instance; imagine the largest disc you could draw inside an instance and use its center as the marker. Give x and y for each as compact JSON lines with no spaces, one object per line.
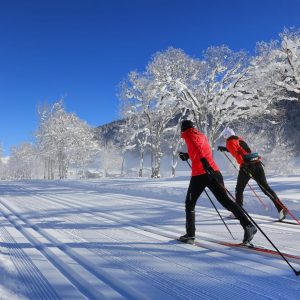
{"x":282,"y":214}
{"x":187,"y":239}
{"x":249,"y":233}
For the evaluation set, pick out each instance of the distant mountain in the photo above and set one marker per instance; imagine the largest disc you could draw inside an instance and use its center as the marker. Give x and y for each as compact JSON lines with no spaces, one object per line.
{"x":291,"y":111}
{"x":109,"y":132}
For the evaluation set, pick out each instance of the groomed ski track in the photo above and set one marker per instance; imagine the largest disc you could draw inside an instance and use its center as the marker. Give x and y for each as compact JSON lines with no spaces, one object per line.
{"x":70,"y":240}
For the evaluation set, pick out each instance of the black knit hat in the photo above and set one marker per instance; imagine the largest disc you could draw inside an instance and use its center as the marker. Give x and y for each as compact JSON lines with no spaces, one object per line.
{"x":186,"y":124}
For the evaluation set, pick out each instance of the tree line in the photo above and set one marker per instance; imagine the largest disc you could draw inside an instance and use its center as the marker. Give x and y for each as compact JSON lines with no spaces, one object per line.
{"x":222,"y":87}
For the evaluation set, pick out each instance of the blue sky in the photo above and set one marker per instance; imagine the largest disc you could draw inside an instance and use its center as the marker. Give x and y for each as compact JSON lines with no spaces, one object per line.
{"x":82,"y":49}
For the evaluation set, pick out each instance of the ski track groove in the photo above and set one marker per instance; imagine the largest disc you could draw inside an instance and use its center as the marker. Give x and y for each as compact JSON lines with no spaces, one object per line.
{"x":49,"y":199}
{"x":94,"y":186}
{"x":52,"y":258}
{"x":129,"y":198}
{"x":33,"y":279}
{"x":145,"y":273}
{"x":209,"y":211}
{"x":166,"y":286}
{"x":180,"y":292}
{"x":273,"y":227}
{"x":166,"y":203}
{"x":59,"y":264}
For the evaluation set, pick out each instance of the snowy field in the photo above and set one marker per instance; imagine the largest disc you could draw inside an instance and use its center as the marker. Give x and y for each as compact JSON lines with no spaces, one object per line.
{"x":115,"y":239}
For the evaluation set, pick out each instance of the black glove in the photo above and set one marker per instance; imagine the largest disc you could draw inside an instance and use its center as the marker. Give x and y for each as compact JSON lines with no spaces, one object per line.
{"x":222,"y":149}
{"x":208,"y":169}
{"x":184,"y":156}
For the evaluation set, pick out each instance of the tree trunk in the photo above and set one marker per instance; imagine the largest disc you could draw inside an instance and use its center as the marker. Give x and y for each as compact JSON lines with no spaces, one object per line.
{"x":122,"y":166}
{"x":156,"y":166}
{"x":45,"y":170}
{"x":174,"y":165}
{"x":141,"y":162}
{"x":51,"y":169}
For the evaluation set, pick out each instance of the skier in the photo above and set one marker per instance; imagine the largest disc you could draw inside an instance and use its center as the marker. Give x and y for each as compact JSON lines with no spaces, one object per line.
{"x":250,"y":167}
{"x":205,"y":173}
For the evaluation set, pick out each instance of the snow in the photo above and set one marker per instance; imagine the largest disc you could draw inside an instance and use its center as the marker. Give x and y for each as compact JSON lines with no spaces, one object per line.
{"x":4,"y":159}
{"x":115,"y":239}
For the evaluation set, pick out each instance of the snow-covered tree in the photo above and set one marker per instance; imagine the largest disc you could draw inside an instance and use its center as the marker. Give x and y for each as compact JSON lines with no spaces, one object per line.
{"x":63,"y":139}
{"x":218,"y":96}
{"x":174,"y":142}
{"x":290,"y":48}
{"x":23,"y":162}
{"x":212,"y":90}
{"x":166,"y":69}
{"x":137,"y":103}
{"x":204,"y":88}
{"x":275,"y":73}
{"x":223,"y":87}
{"x":127,"y":137}
{"x":149,"y":116}
{"x":153,"y":102}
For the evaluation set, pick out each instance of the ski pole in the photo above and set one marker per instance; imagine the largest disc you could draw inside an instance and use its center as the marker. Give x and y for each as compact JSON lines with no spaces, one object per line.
{"x":215,"y":207}
{"x":261,"y":201}
{"x":270,"y":195}
{"x":297,"y":273}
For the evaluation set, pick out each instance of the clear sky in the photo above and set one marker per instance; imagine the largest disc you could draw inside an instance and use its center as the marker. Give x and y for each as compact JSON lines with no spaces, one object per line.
{"x":82,"y":49}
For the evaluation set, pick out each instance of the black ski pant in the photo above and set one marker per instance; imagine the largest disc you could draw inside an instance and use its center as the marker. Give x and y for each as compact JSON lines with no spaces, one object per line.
{"x":255,"y":171}
{"x":216,"y":185}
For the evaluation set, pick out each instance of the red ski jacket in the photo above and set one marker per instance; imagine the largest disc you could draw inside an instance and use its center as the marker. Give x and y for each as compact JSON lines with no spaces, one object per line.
{"x":198,"y":147}
{"x":238,"y":148}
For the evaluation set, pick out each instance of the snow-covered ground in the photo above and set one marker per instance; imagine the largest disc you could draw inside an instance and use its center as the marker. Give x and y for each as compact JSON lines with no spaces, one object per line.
{"x":115,"y":239}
